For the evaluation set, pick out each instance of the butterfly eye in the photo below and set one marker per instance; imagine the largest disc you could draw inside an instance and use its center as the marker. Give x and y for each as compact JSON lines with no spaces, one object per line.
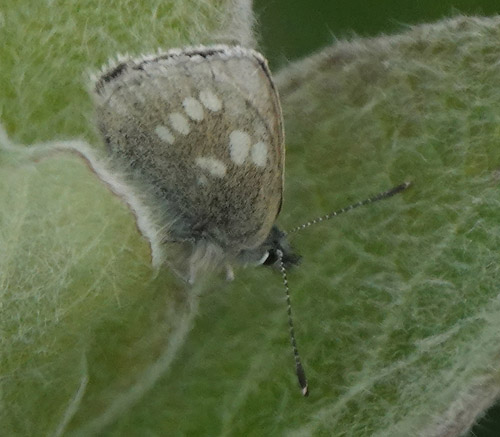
{"x":271,"y":258}
{"x":263,"y":259}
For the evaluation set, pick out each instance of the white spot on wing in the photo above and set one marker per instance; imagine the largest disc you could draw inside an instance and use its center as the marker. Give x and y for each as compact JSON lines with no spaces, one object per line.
{"x":164,"y":134}
{"x":259,"y":154}
{"x":193,"y":108}
{"x":213,"y":166}
{"x":179,"y":123}
{"x":239,"y":146}
{"x":210,"y":100}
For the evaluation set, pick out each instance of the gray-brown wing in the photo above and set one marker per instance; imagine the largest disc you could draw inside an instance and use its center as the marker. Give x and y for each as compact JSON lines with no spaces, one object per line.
{"x":203,"y":127}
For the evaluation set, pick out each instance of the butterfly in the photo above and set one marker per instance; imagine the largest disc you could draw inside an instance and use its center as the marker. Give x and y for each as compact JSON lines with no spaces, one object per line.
{"x":200,"y":131}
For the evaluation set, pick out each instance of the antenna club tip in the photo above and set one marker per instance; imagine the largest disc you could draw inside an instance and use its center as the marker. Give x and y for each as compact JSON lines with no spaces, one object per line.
{"x":393,"y":191}
{"x":302,"y":379}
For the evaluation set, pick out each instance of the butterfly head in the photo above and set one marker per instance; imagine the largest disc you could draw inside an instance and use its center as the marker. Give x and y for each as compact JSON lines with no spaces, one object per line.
{"x":267,"y":253}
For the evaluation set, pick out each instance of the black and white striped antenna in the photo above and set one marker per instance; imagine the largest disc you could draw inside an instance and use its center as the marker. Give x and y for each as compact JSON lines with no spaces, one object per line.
{"x":375,"y":198}
{"x":299,"y":369}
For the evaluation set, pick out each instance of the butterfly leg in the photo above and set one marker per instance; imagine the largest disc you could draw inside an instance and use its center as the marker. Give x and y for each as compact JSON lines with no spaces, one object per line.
{"x":229,"y":273}
{"x":193,"y":270}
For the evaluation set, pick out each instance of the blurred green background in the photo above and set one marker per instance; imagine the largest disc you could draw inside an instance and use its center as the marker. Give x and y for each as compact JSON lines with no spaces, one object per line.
{"x":291,"y":29}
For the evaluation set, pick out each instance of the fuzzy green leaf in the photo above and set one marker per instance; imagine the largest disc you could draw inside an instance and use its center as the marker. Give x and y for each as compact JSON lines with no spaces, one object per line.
{"x":396,"y":305}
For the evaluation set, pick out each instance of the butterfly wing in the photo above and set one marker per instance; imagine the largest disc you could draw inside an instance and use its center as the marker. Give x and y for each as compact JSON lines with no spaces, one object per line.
{"x":202,"y":128}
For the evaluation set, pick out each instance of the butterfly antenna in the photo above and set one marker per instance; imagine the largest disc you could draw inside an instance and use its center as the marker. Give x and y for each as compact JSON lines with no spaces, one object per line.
{"x":376,"y":198}
{"x":301,"y":375}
